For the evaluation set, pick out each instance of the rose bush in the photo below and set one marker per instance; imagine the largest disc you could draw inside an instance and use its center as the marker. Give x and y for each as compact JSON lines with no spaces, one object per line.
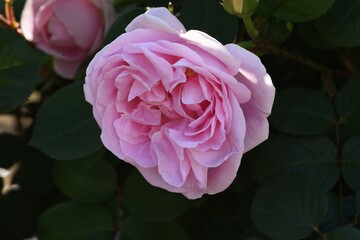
{"x":178,"y":105}
{"x":69,"y":30}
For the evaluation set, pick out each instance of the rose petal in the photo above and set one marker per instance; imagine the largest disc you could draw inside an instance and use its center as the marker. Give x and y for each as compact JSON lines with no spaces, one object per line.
{"x":214,"y":47}
{"x":135,"y":144}
{"x":194,"y":189}
{"x":253,"y":75}
{"x":200,"y":172}
{"x":171,"y":162}
{"x":82,"y":25}
{"x":221,"y":177}
{"x":145,"y":115}
{"x":108,"y":11}
{"x":157,"y":19}
{"x":66,"y":69}
{"x":192,"y":92}
{"x":154,"y":178}
{"x":28,"y":18}
{"x":108,"y":131}
{"x":234,"y":143}
{"x":58,"y":34}
{"x":106,"y":92}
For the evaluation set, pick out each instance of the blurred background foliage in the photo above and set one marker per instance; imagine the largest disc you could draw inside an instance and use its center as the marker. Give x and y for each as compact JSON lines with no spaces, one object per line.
{"x":59,"y":183}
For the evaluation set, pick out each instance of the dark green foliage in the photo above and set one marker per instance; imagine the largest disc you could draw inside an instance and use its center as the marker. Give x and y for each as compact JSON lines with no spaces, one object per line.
{"x":302,"y":111}
{"x":294,"y":10}
{"x":152,"y":204}
{"x":340,"y":25}
{"x":136,"y":229}
{"x":348,"y":104}
{"x":118,"y":27}
{"x":288,"y":207}
{"x":303,"y":183}
{"x":70,"y":221}
{"x":18,"y":70}
{"x":313,"y":157}
{"x":342,"y":233}
{"x":65,"y":127}
{"x":19,"y":212}
{"x":207,"y":21}
{"x":341,"y":211}
{"x":275,"y":30}
{"x":351,"y":163}
{"x":89,"y":179}
{"x":357,"y":202}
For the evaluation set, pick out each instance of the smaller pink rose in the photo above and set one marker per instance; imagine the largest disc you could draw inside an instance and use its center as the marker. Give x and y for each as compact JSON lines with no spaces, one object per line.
{"x":69,"y":30}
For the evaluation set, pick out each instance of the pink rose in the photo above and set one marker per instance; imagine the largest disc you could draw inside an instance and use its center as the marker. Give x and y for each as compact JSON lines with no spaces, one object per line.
{"x":69,"y":30}
{"x":179,"y":106}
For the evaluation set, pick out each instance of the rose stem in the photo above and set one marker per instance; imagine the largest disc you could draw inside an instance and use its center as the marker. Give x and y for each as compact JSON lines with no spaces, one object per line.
{"x":4,"y":20}
{"x":347,"y":63}
{"x":303,"y":60}
{"x":10,"y":16}
{"x":250,"y":28}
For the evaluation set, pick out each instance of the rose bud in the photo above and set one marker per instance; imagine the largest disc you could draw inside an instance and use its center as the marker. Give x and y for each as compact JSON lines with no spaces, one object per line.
{"x":240,"y":8}
{"x":68,"y":30}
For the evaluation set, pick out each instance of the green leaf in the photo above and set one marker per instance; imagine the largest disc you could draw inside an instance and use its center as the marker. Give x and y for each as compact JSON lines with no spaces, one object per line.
{"x":89,"y":179}
{"x":288,"y":207}
{"x":137,"y":229}
{"x":204,"y":15}
{"x":348,"y":104}
{"x":339,"y":26}
{"x":350,"y":167}
{"x":150,"y":203}
{"x":343,"y":233}
{"x":65,"y":127}
{"x":314,"y":157}
{"x":15,"y":51}
{"x":295,"y":10}
{"x":18,"y":70}
{"x":302,"y":111}
{"x":311,"y":34}
{"x":275,"y":30}
{"x":70,"y":221}
{"x":16,"y":85}
{"x":215,"y":218}
{"x":340,"y":212}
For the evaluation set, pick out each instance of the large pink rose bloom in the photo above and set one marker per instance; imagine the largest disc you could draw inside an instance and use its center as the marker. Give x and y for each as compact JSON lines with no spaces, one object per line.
{"x":69,"y":30}
{"x":178,"y":105}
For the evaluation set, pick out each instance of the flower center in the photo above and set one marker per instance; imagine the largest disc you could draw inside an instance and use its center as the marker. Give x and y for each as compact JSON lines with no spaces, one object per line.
{"x":189,"y":72}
